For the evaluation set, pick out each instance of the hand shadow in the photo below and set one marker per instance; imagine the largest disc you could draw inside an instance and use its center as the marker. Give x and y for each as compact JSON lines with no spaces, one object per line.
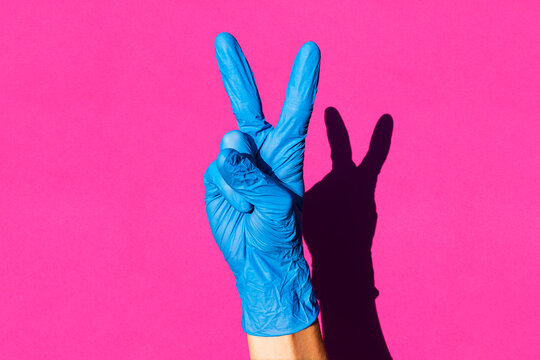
{"x":339,"y":218}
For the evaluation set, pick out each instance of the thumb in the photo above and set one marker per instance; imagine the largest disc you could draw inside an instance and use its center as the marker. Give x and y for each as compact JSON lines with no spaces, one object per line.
{"x":258,"y":188}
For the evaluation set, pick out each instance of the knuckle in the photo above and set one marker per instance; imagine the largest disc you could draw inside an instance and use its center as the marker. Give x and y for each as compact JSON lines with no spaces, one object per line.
{"x":231,"y":139}
{"x":239,"y":141}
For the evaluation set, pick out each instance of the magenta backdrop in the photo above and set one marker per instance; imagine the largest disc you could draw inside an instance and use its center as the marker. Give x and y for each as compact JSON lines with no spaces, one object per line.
{"x":110,"y":113}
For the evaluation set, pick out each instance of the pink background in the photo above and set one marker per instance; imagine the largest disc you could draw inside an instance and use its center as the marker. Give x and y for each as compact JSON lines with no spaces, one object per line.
{"x":110,"y":113}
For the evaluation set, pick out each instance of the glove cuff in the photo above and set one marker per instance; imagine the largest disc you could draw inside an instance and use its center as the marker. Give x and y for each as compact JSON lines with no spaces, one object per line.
{"x":279,"y":308}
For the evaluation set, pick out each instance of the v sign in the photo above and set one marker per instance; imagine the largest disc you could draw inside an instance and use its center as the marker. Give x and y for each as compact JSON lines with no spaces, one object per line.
{"x":254,"y":194}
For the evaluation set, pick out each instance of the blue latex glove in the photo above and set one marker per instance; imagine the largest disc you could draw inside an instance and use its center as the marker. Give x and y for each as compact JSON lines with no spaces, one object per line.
{"x":254,"y":193}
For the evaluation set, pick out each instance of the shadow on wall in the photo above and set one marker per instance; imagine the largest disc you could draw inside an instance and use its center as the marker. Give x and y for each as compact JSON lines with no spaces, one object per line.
{"x":339,"y":219}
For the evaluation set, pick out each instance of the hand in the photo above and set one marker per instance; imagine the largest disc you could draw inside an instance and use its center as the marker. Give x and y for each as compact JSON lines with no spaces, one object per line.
{"x":254,"y":194}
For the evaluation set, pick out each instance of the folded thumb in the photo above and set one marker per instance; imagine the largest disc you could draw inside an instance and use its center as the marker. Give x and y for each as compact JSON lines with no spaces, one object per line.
{"x":258,"y":188}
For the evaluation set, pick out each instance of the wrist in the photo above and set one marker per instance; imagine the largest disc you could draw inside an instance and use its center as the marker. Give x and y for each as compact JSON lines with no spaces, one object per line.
{"x":304,"y":344}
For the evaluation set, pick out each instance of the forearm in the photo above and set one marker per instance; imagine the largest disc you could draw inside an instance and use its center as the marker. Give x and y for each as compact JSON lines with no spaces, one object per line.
{"x":305,"y":344}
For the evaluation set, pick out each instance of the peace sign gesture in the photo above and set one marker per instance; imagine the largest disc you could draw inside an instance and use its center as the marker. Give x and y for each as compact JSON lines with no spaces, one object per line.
{"x":254,"y":193}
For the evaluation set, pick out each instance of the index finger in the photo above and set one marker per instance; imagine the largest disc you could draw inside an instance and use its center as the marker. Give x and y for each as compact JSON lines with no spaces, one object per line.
{"x":240,"y":86}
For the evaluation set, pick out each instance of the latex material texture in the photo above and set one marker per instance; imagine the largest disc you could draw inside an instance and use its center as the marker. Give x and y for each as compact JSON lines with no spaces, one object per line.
{"x":254,"y":192}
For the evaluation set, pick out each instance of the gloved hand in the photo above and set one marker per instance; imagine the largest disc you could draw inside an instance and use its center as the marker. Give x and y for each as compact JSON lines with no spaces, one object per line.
{"x":254,"y":193}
